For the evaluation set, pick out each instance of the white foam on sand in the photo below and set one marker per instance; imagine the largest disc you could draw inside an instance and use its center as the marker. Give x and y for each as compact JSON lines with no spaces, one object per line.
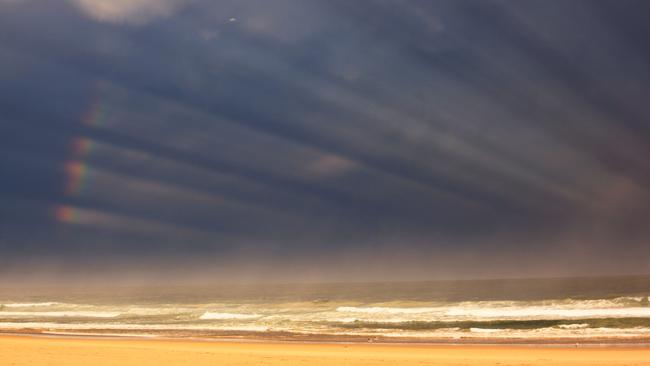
{"x":130,"y":327}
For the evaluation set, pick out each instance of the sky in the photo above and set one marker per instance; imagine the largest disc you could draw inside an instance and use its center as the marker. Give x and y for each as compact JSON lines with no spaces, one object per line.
{"x":304,"y":140}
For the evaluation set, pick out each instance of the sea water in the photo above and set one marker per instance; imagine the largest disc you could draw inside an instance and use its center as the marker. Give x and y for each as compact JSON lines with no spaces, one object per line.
{"x":575,"y":309}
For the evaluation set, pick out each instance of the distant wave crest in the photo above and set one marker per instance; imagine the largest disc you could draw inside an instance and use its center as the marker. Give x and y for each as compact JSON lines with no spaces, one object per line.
{"x":31,"y":304}
{"x":60,"y":314}
{"x":225,"y":316}
{"x":385,"y":310}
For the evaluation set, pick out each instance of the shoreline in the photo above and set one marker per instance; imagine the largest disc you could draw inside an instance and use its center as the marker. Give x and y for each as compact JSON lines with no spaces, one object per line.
{"x":295,"y":338}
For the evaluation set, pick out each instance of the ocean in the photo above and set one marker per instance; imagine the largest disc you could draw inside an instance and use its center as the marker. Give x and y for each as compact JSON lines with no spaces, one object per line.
{"x":614,"y":309}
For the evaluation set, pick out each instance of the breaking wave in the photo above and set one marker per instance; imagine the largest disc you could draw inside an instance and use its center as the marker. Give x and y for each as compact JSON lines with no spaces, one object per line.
{"x":224,"y":316}
{"x":60,"y":314}
{"x":31,"y":304}
{"x":356,"y":315}
{"x":385,"y":310}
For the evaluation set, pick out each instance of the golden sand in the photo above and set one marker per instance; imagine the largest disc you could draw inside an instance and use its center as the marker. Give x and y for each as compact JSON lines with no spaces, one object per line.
{"x":35,"y":351}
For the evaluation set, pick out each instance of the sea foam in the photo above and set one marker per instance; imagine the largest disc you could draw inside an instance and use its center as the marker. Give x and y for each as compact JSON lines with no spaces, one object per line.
{"x":505,"y":310}
{"x":385,"y":310}
{"x":224,"y":316}
{"x":546,"y":313}
{"x":59,"y":314}
{"x":31,"y":304}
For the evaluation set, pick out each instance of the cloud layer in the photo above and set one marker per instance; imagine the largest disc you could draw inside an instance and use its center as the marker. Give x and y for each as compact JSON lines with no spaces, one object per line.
{"x":128,"y":11}
{"x":407,"y":140}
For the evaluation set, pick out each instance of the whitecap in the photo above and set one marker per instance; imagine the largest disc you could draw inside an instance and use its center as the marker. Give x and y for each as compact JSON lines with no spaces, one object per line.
{"x":31,"y":304}
{"x":574,"y":326}
{"x":59,"y":314}
{"x":546,"y":313}
{"x":485,"y":330}
{"x":385,"y":310}
{"x":223,"y":316}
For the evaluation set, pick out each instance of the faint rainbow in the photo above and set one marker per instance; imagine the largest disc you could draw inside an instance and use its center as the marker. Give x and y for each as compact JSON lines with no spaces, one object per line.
{"x":77,"y":169}
{"x":95,"y":114}
{"x":66,"y":214}
{"x":77,"y":177}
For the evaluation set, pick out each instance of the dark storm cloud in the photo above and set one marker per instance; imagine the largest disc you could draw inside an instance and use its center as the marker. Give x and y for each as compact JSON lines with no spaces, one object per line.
{"x":466,"y":130}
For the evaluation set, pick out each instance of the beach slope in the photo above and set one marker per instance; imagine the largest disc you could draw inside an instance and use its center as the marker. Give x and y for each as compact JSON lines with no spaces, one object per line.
{"x":27,"y":350}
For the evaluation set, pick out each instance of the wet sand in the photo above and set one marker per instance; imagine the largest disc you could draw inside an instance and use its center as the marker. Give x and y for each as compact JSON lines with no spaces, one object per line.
{"x":30,"y":350}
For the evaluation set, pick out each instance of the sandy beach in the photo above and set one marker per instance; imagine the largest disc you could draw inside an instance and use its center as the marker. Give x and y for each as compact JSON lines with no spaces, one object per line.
{"x":30,"y":350}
